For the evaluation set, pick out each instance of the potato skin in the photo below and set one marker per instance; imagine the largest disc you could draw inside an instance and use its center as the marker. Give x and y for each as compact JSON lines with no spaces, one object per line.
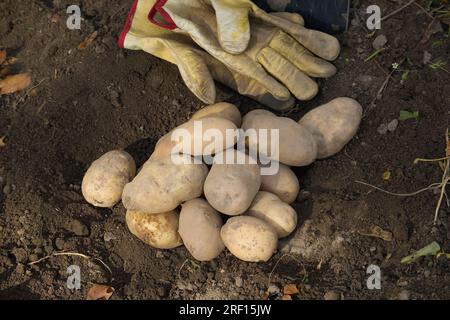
{"x":230,"y":188}
{"x":165,"y":145}
{"x":222,"y":110}
{"x":157,"y":230}
{"x":269,"y":208}
{"x":284,"y":184}
{"x":297,"y":146}
{"x":199,"y":228}
{"x":162,"y":185}
{"x":333,"y":125}
{"x":249,"y":238}
{"x":106,"y":177}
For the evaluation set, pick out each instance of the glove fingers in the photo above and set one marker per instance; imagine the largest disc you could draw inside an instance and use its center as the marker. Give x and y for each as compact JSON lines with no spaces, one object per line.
{"x":319,"y":43}
{"x":301,"y":57}
{"x":233,"y":26}
{"x":194,"y":71}
{"x":204,"y":36}
{"x":302,"y":86}
{"x":245,"y":85}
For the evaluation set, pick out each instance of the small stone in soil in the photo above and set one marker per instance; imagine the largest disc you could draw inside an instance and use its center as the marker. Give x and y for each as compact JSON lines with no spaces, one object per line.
{"x":392,"y":125}
{"x":108,"y":236}
{"x":78,"y":228}
{"x":426,"y":57}
{"x":60,"y":243}
{"x":332,"y":295}
{"x":7,"y":189}
{"x":273,"y":290}
{"x":379,"y":42}
{"x":161,"y":291}
{"x":382,"y":128}
{"x":238,"y":281}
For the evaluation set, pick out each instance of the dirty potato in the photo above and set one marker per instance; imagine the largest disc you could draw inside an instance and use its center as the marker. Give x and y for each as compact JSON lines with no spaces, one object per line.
{"x":269,"y":208}
{"x":199,"y":228}
{"x":296,"y":145}
{"x":333,"y":125}
{"x":249,"y":238}
{"x":105,"y":179}
{"x":222,"y":110}
{"x":162,"y":185}
{"x":231,"y":187}
{"x":157,"y":230}
{"x":284,"y":183}
{"x":205,"y":136}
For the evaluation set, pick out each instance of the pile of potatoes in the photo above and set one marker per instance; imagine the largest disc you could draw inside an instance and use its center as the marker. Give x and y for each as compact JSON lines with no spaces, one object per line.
{"x":233,"y":206}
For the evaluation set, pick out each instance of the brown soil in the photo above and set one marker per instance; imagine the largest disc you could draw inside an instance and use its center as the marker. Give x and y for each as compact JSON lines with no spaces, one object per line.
{"x":102,"y":98}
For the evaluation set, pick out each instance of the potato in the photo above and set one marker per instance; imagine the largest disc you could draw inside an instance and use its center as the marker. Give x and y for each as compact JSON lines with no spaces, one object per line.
{"x":284,"y":184}
{"x":199,"y":228}
{"x":162,"y":185}
{"x":333,"y":125}
{"x":157,"y":230}
{"x":249,"y":238}
{"x":105,"y":179}
{"x":222,"y":110}
{"x":297,"y":146}
{"x":269,"y":208}
{"x":230,"y":188}
{"x":197,"y":137}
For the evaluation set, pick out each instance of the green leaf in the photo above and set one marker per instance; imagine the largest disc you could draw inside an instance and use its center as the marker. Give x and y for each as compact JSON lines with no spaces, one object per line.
{"x":405,"y":75}
{"x":405,"y":115}
{"x":430,"y":250}
{"x":374,"y":54}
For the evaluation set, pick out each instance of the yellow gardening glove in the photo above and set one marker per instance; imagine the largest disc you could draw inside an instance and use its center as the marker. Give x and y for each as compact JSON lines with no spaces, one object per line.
{"x":269,"y":48}
{"x":197,"y":68}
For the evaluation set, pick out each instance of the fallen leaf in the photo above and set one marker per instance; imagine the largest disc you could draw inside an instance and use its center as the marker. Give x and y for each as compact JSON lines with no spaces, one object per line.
{"x":430,"y":250}
{"x":55,"y":18}
{"x":2,"y":56}
{"x":86,"y":42}
{"x":99,"y":291}
{"x":14,"y":83}
{"x":405,"y":115}
{"x":378,"y":232}
{"x":386,"y":175}
{"x":2,"y":142}
{"x":290,"y":289}
{"x":382,"y":234}
{"x":433,"y":28}
{"x":286,"y":297}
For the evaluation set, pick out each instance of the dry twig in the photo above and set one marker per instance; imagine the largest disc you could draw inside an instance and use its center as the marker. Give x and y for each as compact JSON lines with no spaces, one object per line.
{"x":77,"y":254}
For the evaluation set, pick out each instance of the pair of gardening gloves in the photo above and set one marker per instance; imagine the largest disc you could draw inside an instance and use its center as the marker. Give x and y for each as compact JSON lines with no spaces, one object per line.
{"x":269,"y":57}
